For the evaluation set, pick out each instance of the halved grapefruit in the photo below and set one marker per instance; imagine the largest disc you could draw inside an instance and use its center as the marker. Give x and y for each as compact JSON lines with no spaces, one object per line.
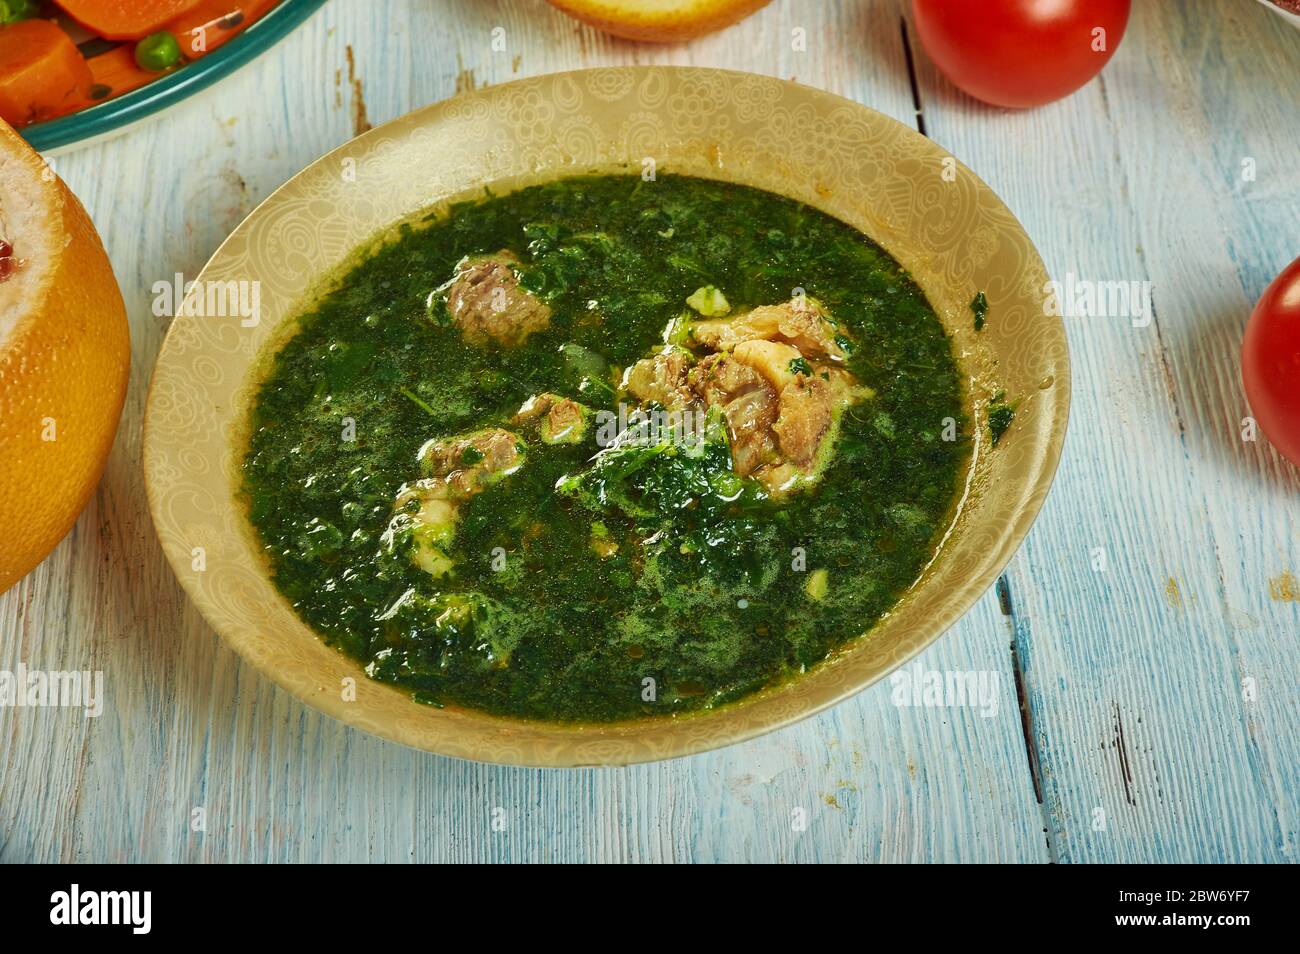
{"x":64,"y":358}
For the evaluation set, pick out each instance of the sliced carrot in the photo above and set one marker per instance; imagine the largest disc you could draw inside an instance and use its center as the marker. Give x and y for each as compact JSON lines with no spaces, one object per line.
{"x":206,"y":25}
{"x":209,"y":23}
{"x":42,"y":73}
{"x":125,"y":19}
{"x":201,"y":30}
{"x":116,"y":72}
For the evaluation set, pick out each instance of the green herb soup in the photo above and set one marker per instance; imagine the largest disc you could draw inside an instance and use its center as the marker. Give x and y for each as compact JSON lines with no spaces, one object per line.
{"x":607,"y":448}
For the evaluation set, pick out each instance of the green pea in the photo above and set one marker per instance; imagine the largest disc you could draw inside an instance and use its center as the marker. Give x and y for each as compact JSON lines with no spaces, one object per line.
{"x":11,"y":11}
{"x":158,"y":52}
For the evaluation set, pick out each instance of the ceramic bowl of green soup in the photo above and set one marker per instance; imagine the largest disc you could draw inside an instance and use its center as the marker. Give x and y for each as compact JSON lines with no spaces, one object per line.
{"x":606,"y":416}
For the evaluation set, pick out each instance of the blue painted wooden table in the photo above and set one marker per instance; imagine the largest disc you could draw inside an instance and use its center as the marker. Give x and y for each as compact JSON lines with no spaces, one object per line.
{"x":1144,"y":640}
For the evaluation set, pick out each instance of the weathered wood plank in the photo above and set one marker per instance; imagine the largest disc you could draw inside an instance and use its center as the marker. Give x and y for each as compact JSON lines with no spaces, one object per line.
{"x":188,"y":726}
{"x":1135,"y":671}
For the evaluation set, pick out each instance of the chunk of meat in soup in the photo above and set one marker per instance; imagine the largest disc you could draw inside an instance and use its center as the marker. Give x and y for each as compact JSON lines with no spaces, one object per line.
{"x":471,"y":462}
{"x":486,"y":300}
{"x":458,"y":468}
{"x":661,"y":379}
{"x":771,"y":359}
{"x":800,"y":322}
{"x":560,"y":420}
{"x":749,"y":404}
{"x":806,"y":425}
{"x":775,"y":372}
{"x":805,"y":421}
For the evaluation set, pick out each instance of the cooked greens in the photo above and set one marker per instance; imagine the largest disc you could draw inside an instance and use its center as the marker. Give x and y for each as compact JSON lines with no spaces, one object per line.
{"x":475,"y":535}
{"x":979,"y":306}
{"x":1001,"y":414}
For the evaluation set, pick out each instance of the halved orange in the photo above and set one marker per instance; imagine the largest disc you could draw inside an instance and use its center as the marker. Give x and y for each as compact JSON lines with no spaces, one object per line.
{"x":64,"y":358}
{"x":659,"y":21}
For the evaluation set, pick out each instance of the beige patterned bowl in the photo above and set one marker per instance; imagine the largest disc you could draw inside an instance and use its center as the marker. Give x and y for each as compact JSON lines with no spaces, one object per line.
{"x":898,"y":187}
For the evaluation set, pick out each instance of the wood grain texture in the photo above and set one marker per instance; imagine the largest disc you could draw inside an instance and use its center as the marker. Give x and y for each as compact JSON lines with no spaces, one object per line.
{"x":1137,"y":179}
{"x":1135,"y":672}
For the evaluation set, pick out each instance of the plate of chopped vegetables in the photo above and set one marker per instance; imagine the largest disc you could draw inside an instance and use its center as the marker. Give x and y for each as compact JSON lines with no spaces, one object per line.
{"x":76,"y":70}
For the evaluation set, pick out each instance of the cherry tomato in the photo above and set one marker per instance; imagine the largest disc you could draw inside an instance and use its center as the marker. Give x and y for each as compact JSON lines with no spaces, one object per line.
{"x":1020,"y":53}
{"x":1270,"y":362}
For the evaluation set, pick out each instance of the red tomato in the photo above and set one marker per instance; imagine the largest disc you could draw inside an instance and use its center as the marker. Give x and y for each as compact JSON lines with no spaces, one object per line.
{"x":1270,"y":362}
{"x":1020,"y":52}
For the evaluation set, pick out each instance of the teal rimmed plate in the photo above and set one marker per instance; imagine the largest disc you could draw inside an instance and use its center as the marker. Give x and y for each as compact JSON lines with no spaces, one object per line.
{"x":113,"y":116}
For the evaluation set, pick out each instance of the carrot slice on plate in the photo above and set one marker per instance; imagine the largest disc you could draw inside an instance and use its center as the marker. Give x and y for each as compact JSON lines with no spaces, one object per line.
{"x":211,"y":23}
{"x":199,"y":31}
{"x":125,"y":19}
{"x":42,"y":73}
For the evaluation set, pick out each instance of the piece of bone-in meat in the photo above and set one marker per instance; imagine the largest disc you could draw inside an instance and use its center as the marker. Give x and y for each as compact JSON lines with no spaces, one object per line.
{"x":800,"y":322}
{"x":774,"y":360}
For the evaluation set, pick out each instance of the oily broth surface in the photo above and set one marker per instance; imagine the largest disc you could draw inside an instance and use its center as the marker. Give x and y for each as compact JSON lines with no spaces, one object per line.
{"x":716,"y":608}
